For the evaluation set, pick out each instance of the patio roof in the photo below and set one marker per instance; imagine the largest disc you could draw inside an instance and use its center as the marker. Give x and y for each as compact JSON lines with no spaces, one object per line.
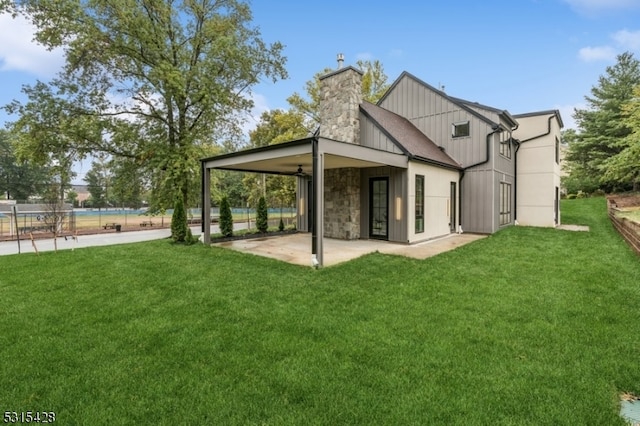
{"x":285,"y":158}
{"x":314,"y":155}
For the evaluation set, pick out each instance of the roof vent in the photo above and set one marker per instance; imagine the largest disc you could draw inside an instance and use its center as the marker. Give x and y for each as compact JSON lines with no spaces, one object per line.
{"x":340,"y":60}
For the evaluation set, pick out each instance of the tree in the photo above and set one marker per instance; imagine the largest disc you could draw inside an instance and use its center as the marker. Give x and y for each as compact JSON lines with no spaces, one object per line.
{"x":602,"y":130}
{"x":262,"y":216}
{"x":98,"y":180}
{"x":624,"y":167}
{"x":226,"y":218}
{"x":179,"y":221}
{"x":374,"y":80}
{"x":72,"y":198}
{"x":127,"y":182}
{"x":19,"y":179}
{"x":156,"y":82}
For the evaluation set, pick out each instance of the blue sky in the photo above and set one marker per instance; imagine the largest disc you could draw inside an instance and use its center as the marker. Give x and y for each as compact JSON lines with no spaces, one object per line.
{"x":519,"y":55}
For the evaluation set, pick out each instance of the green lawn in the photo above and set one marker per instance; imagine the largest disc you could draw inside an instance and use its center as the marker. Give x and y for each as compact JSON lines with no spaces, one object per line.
{"x":529,"y":326}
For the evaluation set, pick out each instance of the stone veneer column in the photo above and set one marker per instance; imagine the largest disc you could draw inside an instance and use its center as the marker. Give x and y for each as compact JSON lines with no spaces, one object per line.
{"x":342,"y":203}
{"x":340,"y":98}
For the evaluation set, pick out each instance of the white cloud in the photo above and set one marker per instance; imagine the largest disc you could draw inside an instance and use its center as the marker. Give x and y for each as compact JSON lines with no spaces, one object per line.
{"x":624,"y":40}
{"x":599,"y":53}
{"x":628,"y":39}
{"x":594,"y":6}
{"x":19,"y":52}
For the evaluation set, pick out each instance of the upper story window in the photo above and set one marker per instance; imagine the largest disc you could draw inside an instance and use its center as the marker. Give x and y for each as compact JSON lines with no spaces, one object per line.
{"x":460,"y":129}
{"x":505,"y":144}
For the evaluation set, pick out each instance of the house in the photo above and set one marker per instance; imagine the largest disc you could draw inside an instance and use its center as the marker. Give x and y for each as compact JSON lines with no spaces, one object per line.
{"x":417,"y":165}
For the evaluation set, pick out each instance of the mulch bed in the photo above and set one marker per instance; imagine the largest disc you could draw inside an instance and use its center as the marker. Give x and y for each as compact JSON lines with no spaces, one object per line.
{"x":252,"y":236}
{"x":624,"y":200}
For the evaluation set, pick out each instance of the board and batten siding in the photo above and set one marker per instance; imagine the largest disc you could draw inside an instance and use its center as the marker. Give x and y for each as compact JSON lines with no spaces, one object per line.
{"x":397,"y":188}
{"x":437,"y":202}
{"x":434,"y":114}
{"x":372,"y":137}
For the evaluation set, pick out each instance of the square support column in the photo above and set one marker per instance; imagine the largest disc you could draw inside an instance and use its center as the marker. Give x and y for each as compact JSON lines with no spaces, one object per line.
{"x":206,"y":204}
{"x":317,"y":234}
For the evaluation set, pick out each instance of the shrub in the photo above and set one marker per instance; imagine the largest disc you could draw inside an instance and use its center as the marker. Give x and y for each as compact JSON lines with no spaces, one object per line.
{"x":190,"y":239}
{"x":179,"y":221}
{"x":226,"y":219}
{"x":598,"y":193}
{"x":281,"y":225}
{"x":262,"y":219}
{"x":581,"y":195}
{"x":571,"y":196}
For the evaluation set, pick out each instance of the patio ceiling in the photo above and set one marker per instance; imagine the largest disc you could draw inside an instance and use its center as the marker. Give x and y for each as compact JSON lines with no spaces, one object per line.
{"x":286,"y":158}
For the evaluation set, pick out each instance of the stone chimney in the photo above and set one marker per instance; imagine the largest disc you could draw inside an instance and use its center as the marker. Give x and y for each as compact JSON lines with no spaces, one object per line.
{"x":340,"y":98}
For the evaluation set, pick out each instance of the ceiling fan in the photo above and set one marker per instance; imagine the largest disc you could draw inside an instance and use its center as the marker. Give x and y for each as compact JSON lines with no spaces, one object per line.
{"x":300,"y":172}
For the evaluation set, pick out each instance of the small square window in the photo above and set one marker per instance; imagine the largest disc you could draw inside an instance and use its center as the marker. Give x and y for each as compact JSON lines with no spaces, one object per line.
{"x":459,"y":130}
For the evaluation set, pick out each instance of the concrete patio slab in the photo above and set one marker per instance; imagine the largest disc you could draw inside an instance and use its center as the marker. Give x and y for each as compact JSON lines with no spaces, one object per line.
{"x":296,"y":248}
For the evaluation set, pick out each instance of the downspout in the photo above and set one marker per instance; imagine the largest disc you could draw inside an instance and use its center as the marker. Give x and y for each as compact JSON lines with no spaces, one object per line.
{"x":515,"y":167}
{"x":496,"y":129}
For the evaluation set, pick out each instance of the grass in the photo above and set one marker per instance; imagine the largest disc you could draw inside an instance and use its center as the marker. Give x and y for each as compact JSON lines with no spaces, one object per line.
{"x":528,"y":326}
{"x":631,"y":214}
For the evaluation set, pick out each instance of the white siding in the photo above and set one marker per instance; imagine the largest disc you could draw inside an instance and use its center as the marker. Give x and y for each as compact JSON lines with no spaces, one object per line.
{"x":436,"y":199}
{"x":538,"y":171}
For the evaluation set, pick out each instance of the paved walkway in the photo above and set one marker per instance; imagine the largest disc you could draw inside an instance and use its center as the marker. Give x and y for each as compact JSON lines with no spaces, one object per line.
{"x":104,"y":239}
{"x":296,"y":248}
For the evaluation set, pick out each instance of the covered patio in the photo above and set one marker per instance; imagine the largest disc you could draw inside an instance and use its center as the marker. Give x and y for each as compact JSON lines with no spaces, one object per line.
{"x":308,"y":157}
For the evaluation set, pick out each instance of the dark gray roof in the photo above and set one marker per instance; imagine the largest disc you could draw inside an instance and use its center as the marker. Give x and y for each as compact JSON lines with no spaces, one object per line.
{"x":462,"y":103}
{"x":407,"y":136}
{"x":546,"y":112}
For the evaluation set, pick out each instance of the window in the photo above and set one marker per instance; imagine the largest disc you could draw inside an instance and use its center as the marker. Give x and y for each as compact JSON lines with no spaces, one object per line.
{"x":505,"y":203}
{"x":505,"y":144}
{"x":419,"y":203}
{"x":557,"y":150}
{"x":461,"y":129}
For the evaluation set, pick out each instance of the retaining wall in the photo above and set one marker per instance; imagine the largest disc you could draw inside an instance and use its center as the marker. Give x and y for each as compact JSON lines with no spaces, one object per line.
{"x":629,"y":230}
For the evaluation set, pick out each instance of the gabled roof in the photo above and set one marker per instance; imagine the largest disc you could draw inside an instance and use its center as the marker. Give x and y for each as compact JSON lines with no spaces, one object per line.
{"x":407,"y":137}
{"x":501,"y":112}
{"x":461,"y":103}
{"x":546,"y":112}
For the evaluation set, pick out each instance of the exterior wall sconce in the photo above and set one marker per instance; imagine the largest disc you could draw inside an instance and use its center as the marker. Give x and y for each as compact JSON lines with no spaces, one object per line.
{"x":301,"y":210}
{"x":398,"y":208}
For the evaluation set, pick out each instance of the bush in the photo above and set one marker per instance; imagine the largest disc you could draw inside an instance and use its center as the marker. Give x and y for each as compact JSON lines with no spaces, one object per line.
{"x":190,"y":239}
{"x":262,"y":219}
{"x":581,"y":195}
{"x":598,"y":193}
{"x":281,"y":225}
{"x":179,"y":221}
{"x":226,"y":218}
{"x":571,"y":196}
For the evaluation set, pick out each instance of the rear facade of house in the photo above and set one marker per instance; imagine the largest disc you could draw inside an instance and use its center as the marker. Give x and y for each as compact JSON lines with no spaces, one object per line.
{"x":466,"y":169}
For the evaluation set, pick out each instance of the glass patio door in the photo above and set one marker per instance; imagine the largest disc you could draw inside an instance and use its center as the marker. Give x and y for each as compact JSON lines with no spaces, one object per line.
{"x":379,"y":208}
